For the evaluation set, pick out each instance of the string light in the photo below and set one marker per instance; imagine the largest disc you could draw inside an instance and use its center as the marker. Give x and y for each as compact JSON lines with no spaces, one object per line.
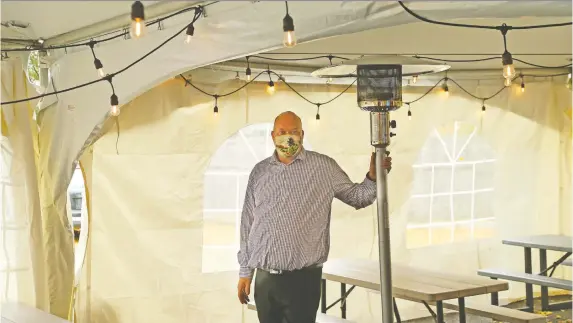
{"x":271,"y":85}
{"x":137,"y":28}
{"x":414,"y":79}
{"x":568,"y":84}
{"x":114,"y":109}
{"x":216,"y":108}
{"x":483,"y":107}
{"x":237,"y":77}
{"x":445,"y":86}
{"x":289,"y":39}
{"x":97,"y":63}
{"x":189,"y":34}
{"x":318,"y":112}
{"x":248,"y":71}
{"x":522,"y":83}
{"x":409,"y":112}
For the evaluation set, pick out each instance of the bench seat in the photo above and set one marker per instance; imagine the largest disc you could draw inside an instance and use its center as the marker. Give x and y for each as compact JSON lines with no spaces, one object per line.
{"x":527,"y":278}
{"x":498,"y":313}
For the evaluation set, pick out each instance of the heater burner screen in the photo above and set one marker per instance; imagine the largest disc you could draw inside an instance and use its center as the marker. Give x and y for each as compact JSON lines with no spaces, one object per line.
{"x":379,"y":87}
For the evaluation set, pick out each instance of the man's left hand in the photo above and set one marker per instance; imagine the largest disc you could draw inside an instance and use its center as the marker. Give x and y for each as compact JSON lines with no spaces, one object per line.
{"x":386,"y":164}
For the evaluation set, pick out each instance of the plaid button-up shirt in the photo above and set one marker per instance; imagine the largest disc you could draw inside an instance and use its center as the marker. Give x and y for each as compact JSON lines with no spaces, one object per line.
{"x":285,"y":223}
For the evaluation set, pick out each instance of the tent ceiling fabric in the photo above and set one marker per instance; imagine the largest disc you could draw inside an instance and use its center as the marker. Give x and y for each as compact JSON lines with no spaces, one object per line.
{"x":232,"y":30}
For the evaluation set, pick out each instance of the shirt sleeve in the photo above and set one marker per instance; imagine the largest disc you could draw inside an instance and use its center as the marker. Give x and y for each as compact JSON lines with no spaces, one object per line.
{"x":247,"y":218}
{"x":356,"y":195}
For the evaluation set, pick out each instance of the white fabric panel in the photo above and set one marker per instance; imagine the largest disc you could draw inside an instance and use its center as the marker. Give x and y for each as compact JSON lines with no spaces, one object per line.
{"x":23,"y":274}
{"x":150,"y":228}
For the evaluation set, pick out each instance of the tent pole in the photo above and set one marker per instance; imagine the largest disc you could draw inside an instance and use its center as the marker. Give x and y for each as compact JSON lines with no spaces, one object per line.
{"x":380,"y":130}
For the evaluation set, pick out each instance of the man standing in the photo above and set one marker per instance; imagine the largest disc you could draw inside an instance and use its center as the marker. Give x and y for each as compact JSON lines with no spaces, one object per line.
{"x":285,"y":224}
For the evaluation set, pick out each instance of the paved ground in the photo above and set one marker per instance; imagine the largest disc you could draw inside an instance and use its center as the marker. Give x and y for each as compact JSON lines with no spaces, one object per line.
{"x":554,"y":317}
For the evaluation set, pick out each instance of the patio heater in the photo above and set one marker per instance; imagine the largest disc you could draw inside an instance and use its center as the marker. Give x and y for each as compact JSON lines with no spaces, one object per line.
{"x":379,"y":91}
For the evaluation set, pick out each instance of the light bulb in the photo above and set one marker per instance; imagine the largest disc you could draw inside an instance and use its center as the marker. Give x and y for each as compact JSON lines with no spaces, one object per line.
{"x":248,"y":73}
{"x":568,"y":84}
{"x":445,"y":88}
{"x":522,"y":87}
{"x":190,"y":32}
{"x":99,"y":67}
{"x":114,"y":109}
{"x":508,"y":68}
{"x":271,"y":87}
{"x":508,"y":71}
{"x":137,"y":29}
{"x":414,"y":79}
{"x":317,"y":117}
{"x":216,"y":110}
{"x":289,"y":38}
{"x":483,"y":108}
{"x":329,"y":80}
{"x":409,"y":115}
{"x":507,"y":82}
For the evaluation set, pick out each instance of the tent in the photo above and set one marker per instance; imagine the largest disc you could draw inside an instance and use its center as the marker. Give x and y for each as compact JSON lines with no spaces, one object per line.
{"x":163,"y":181}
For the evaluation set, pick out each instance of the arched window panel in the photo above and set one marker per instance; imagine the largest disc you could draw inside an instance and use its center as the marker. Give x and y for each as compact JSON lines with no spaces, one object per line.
{"x":225,"y":184}
{"x":452,"y":191}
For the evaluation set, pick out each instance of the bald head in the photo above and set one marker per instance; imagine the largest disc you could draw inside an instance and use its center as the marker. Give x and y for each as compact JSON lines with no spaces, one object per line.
{"x":287,"y":122}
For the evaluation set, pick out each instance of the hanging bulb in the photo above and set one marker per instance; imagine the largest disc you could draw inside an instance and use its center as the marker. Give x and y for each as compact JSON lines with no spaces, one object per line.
{"x":483,"y":108}
{"x":409,"y":113}
{"x":190,"y":31}
{"x":414,"y":79}
{"x":271,"y":87}
{"x":237,"y":77}
{"x":216,"y":110}
{"x":329,"y":80}
{"x":317,"y":116}
{"x":508,"y":68}
{"x":522,"y":86}
{"x":99,"y":67}
{"x":568,"y":84}
{"x":289,"y":39}
{"x":445,"y":87}
{"x":137,"y":28}
{"x":248,"y":72}
{"x":114,"y":110}
{"x":507,"y":82}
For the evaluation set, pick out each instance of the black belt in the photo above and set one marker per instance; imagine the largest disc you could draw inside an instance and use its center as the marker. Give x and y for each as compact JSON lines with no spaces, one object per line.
{"x":281,"y":271}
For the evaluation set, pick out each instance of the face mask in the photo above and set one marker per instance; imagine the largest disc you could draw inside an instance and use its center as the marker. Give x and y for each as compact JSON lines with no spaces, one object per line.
{"x":287,"y":146}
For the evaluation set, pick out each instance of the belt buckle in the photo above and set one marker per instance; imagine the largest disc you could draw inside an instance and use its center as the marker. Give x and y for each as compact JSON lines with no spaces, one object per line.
{"x":275,"y":272}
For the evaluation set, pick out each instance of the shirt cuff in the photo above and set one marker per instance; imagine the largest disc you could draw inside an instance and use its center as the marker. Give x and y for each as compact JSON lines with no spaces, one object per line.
{"x":246,"y":272}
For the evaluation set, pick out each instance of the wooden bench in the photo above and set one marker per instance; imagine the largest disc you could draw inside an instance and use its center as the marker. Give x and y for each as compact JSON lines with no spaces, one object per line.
{"x":320,"y":318}
{"x":527,"y":278}
{"x":498,"y":313}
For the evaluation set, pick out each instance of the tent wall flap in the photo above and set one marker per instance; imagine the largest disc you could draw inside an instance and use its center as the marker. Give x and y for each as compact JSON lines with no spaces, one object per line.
{"x":160,"y":236}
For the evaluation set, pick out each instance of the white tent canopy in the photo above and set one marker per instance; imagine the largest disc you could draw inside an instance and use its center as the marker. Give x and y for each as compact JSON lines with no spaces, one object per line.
{"x":170,"y":147}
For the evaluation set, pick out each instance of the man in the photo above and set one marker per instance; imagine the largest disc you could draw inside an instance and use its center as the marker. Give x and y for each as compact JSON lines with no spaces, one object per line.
{"x":286,"y":221}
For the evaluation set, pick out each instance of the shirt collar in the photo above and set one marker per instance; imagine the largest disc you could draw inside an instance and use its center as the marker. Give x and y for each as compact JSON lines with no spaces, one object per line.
{"x":275,"y":159}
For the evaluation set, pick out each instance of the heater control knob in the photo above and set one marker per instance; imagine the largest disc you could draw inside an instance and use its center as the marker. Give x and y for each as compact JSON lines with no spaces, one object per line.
{"x":393,"y":124}
{"x":392,"y":134}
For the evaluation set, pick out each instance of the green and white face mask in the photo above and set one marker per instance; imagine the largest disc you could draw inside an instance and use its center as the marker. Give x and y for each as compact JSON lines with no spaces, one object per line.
{"x":288,"y":146}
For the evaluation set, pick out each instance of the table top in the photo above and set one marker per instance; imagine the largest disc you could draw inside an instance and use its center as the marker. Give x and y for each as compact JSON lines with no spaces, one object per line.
{"x":553,"y":242}
{"x":410,"y":283}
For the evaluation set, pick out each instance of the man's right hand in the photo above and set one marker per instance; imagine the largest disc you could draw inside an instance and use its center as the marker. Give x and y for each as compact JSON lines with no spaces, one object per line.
{"x":244,"y":290}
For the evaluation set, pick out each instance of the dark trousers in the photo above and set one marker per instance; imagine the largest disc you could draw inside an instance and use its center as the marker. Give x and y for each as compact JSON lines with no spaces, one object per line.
{"x":289,"y":297}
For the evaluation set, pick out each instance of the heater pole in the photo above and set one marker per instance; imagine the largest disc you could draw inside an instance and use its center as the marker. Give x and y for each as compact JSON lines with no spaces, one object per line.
{"x":380,"y":138}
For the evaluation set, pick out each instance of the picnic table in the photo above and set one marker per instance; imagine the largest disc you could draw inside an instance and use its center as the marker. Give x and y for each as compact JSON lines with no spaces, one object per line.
{"x":552,"y":242}
{"x":409,"y":283}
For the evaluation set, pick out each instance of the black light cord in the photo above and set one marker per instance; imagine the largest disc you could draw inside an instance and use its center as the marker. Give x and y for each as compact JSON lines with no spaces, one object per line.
{"x":330,"y":57}
{"x":486,"y":59}
{"x":500,"y":28}
{"x":121,"y":34}
{"x":198,"y":11}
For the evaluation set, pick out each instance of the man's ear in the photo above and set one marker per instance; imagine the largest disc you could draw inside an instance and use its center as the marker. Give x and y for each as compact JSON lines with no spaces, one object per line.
{"x":273,"y":134}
